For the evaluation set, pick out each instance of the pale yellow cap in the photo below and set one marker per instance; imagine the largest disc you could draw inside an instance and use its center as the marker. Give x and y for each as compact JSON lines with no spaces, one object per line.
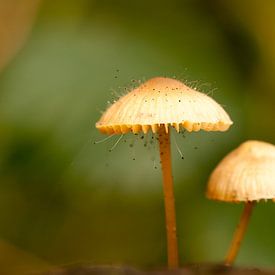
{"x":163,"y":101}
{"x":245,"y":174}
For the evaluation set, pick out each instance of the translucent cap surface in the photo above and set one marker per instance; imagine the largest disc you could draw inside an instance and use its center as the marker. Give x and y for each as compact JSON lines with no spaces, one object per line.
{"x":245,"y":174}
{"x":163,"y":101}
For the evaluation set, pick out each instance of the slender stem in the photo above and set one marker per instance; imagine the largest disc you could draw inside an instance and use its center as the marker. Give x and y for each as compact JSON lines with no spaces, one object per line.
{"x":239,"y":233}
{"x":169,"y":201}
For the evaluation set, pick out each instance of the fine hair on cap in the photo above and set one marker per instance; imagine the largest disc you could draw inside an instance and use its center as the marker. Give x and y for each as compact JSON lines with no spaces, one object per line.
{"x":163,"y":101}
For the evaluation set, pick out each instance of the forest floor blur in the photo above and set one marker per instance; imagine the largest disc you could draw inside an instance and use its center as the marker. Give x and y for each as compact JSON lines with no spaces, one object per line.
{"x":195,"y":269}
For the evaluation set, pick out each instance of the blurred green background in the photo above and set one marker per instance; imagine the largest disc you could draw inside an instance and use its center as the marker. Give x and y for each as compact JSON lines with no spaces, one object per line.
{"x":66,"y":200}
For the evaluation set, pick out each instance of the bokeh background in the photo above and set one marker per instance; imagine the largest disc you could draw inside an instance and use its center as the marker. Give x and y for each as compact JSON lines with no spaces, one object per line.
{"x":64,"y":199}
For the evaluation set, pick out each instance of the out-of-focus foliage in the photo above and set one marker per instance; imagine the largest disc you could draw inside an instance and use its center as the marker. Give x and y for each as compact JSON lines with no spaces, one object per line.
{"x":16,"y":19}
{"x":64,"y":199}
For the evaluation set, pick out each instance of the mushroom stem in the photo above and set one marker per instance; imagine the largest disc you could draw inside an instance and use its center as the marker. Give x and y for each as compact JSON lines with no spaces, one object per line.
{"x":169,"y":201}
{"x":239,"y":233}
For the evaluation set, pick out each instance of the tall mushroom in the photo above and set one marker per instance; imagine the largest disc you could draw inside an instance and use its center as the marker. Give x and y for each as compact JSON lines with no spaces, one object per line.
{"x":155,"y":105}
{"x":244,"y":175}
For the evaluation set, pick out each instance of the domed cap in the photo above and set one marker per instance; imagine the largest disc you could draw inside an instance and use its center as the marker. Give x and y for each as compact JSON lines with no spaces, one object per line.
{"x":245,"y":174}
{"x":163,"y":101}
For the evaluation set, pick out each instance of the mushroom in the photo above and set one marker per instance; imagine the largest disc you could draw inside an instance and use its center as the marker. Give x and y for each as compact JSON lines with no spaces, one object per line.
{"x":244,"y":175}
{"x":155,"y":105}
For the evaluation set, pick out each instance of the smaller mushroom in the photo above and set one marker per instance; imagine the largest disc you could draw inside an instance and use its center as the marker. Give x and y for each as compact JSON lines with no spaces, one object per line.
{"x":244,"y":175}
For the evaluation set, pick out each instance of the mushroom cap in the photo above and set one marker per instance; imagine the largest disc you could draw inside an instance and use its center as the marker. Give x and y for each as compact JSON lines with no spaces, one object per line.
{"x":163,"y":101}
{"x":245,"y":174}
